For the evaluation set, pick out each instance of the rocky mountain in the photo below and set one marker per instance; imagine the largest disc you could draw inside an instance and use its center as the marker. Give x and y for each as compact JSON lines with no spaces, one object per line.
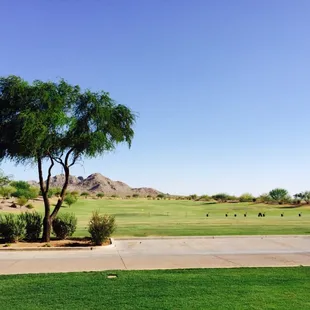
{"x":97,"y":183}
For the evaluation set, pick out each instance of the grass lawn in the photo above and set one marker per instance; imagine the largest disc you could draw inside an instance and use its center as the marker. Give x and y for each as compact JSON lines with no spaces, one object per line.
{"x":142,"y":217}
{"x":246,"y":288}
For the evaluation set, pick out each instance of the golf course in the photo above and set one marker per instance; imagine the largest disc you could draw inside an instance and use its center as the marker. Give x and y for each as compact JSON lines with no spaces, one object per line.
{"x":142,"y":217}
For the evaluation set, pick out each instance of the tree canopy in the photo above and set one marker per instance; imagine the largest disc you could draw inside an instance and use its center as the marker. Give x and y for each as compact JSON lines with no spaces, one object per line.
{"x":56,"y":122}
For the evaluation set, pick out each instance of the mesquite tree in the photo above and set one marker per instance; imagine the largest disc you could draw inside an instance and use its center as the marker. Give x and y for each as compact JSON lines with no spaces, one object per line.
{"x":49,"y":123}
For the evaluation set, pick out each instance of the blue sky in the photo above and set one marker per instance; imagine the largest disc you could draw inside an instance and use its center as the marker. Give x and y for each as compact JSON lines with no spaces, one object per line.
{"x":221,"y":87}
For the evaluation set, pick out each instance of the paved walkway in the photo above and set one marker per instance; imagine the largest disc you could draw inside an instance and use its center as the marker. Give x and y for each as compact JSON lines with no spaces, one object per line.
{"x":165,"y":253}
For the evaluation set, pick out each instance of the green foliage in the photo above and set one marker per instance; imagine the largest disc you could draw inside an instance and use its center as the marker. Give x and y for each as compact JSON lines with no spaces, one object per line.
{"x":33,"y":225}
{"x":264,"y":198}
{"x":304,"y":196}
{"x":222,"y":197}
{"x":4,"y":179}
{"x":135,"y":195}
{"x":205,"y":198}
{"x":12,"y":228}
{"x":29,"y":206}
{"x":279,"y":195}
{"x":6,"y":191}
{"x":114,"y":196}
{"x":54,"y":191}
{"x":85,"y":194}
{"x":246,"y":197}
{"x":23,"y":189}
{"x":75,"y":193}
{"x":21,"y":201}
{"x":70,"y":199}
{"x":64,"y":225}
{"x":100,"y":195}
{"x":160,"y":196}
{"x":58,"y":122}
{"x":101,"y":227}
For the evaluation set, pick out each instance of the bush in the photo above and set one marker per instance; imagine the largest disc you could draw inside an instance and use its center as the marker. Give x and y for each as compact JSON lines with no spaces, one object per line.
{"x":101,"y":227}
{"x":135,"y":195}
{"x":75,"y":193}
{"x":70,"y":199}
{"x":23,"y":189}
{"x":100,"y":195}
{"x":246,"y":197}
{"x":221,"y":197}
{"x":33,"y":225}
{"x":7,"y":191}
{"x":160,"y":196}
{"x":64,"y":225}
{"x":279,"y":195}
{"x":21,"y":201}
{"x":12,"y":228}
{"x":85,"y":194}
{"x":29,"y":206}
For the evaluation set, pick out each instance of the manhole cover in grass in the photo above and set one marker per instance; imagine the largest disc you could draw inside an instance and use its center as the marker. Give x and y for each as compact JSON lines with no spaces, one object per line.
{"x":112,"y":276}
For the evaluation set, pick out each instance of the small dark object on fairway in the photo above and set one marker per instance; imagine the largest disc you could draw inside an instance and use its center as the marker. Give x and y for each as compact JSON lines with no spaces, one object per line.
{"x":235,"y":215}
{"x":263,"y":214}
{"x":299,"y":214}
{"x":244,"y":214}
{"x":260,"y":214}
{"x":207,"y":214}
{"x":282,"y":214}
{"x":226,"y":214}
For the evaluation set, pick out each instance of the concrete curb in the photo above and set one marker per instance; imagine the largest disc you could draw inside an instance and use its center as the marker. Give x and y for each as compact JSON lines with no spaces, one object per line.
{"x":90,"y":248}
{"x":210,"y":237}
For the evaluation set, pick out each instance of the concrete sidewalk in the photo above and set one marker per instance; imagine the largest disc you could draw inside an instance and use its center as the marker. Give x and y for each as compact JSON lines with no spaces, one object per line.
{"x":166,"y":253}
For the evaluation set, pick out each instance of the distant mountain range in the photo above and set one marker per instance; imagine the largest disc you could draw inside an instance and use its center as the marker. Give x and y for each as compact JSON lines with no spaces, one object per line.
{"x":97,"y":183}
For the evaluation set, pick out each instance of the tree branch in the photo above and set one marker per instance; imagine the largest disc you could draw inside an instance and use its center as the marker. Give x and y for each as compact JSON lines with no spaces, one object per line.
{"x":76,"y":156}
{"x":41,"y":181}
{"x":49,"y":174}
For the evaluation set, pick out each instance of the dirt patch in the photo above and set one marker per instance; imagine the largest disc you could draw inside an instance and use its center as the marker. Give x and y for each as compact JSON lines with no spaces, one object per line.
{"x":74,"y":242}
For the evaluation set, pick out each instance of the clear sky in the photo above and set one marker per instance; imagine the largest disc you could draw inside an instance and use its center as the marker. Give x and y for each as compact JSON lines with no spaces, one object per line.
{"x":221,"y":87}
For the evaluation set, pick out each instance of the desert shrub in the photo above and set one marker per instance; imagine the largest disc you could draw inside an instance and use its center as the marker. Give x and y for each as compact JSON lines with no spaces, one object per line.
{"x":193,"y":197}
{"x":114,"y":196}
{"x":205,"y":198}
{"x":21,"y":201}
{"x":84,"y":194}
{"x":70,"y":199}
{"x":246,"y":197}
{"x":280,"y":195}
{"x":101,"y":227}
{"x":23,"y":189}
{"x":222,"y":197}
{"x":6,"y":191}
{"x":263,"y":198}
{"x":135,"y":195}
{"x":75,"y":193}
{"x":100,"y":195}
{"x":160,"y":196}
{"x":12,"y":228}
{"x":128,"y":196}
{"x":29,"y":206}
{"x":64,"y":225}
{"x":148,"y":196}
{"x":33,"y":225}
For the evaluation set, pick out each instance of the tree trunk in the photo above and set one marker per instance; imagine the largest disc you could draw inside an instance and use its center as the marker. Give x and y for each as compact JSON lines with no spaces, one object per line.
{"x":47,"y":229}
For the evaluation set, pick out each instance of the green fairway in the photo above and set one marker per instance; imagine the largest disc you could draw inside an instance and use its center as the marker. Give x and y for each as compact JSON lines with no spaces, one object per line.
{"x":246,"y":288}
{"x":142,"y":217}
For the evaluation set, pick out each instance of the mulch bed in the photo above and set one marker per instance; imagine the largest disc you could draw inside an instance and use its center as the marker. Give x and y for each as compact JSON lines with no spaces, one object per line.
{"x":71,"y":242}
